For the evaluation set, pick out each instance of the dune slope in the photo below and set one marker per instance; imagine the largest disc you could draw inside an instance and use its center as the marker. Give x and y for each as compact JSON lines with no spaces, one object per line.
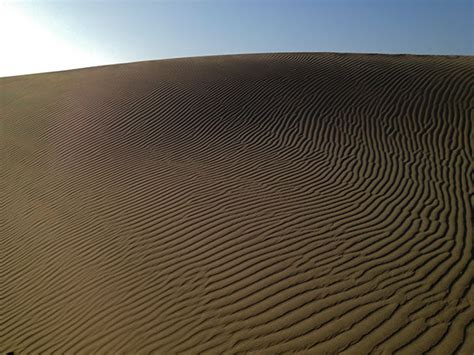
{"x":258,"y":203}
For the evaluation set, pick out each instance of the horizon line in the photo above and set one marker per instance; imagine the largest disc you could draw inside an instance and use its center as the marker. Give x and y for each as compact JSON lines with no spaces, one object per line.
{"x":242,"y":54}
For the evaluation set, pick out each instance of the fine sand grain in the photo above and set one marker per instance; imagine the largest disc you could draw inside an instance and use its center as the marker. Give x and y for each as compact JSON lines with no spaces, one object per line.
{"x":319,"y":203}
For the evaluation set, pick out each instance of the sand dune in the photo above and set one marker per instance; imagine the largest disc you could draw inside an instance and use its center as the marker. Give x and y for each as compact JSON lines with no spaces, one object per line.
{"x":318,"y":203}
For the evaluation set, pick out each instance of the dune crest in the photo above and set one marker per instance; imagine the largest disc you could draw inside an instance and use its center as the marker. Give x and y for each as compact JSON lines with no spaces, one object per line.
{"x":253,"y":203}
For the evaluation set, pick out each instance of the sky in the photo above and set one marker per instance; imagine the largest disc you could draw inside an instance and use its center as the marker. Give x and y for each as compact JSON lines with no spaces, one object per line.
{"x":42,"y":36}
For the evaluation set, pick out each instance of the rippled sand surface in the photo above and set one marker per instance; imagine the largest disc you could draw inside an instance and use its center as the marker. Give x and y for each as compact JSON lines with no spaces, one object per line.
{"x":318,"y":203}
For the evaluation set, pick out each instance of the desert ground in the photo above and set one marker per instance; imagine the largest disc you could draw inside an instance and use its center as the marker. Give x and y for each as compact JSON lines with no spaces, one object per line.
{"x":297,"y":202}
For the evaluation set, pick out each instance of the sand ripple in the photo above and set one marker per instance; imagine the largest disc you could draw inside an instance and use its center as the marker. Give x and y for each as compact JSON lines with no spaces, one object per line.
{"x":262,"y":203}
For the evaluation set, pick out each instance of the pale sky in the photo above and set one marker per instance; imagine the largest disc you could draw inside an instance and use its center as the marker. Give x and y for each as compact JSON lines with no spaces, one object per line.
{"x":31,"y":46}
{"x":42,"y":36}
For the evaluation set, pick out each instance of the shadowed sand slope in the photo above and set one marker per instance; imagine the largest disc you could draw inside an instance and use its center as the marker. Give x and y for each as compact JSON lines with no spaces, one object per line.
{"x":259,"y":203}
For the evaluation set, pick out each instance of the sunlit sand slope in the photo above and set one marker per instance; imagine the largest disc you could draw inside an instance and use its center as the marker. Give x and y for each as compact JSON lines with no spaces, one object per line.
{"x":254,"y":203}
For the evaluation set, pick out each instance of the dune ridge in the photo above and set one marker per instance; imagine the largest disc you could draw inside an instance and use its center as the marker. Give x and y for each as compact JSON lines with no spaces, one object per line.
{"x":305,"y":202}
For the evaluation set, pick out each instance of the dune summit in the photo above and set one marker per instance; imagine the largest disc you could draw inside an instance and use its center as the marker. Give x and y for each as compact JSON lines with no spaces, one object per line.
{"x":253,"y":203}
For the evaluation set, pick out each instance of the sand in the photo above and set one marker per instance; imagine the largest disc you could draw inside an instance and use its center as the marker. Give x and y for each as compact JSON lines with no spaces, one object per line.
{"x":319,"y":203}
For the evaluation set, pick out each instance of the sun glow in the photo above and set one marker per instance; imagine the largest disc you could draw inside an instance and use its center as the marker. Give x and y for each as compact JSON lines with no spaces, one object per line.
{"x":27,"y":46}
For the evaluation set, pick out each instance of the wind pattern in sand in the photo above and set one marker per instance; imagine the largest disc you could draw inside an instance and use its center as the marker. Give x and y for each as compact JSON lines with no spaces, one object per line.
{"x":317,"y":203}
